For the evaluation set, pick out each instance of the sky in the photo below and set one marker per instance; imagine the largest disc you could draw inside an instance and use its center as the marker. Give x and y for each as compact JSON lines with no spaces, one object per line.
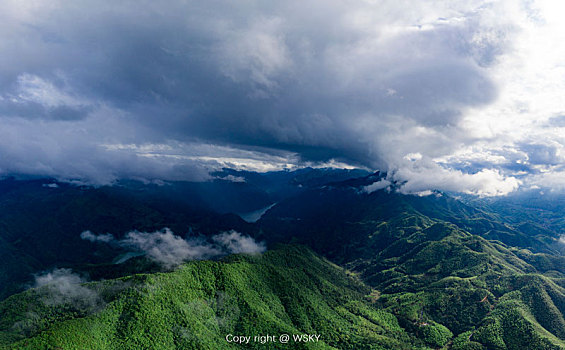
{"x":463,"y":96}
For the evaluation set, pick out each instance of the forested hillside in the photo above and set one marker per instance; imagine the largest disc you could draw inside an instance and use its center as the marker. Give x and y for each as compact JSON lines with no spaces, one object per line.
{"x":414,"y":271}
{"x":289,"y":290}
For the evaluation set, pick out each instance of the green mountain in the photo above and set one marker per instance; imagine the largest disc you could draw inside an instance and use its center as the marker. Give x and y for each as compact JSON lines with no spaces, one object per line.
{"x":40,"y":226}
{"x":289,"y":290}
{"x":433,"y":271}
{"x":41,"y":219}
{"x":338,"y":220}
{"x":495,"y":284}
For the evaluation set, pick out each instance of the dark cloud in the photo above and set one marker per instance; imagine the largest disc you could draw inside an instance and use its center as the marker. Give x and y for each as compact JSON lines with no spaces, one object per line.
{"x":359,"y":82}
{"x":36,"y":110}
{"x":542,"y":154}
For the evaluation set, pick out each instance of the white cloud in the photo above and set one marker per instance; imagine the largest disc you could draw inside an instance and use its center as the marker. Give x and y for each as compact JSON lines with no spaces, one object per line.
{"x":35,"y":89}
{"x":235,"y":242}
{"x":232,"y":178}
{"x":530,"y":77}
{"x":168,"y":248}
{"x":171,"y":250}
{"x":89,"y":236}
{"x":377,"y":185}
{"x":553,"y":179}
{"x":62,"y":286}
{"x":420,"y":177}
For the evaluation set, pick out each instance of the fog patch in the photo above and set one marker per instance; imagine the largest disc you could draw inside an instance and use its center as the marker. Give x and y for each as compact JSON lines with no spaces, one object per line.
{"x":51,"y":185}
{"x":63,"y":287}
{"x":232,"y":178}
{"x":61,"y":294}
{"x":220,"y":312}
{"x":170,"y":250}
{"x":424,"y":193}
{"x":375,"y":186}
{"x":125,"y":257}
{"x":234,"y":242}
{"x":89,"y":236}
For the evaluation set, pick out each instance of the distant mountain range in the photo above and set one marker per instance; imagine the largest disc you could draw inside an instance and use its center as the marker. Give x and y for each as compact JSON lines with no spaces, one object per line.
{"x":432,"y":271}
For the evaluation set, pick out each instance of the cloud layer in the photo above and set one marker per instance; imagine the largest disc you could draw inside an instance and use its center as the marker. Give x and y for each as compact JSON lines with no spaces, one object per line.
{"x":99,"y":90}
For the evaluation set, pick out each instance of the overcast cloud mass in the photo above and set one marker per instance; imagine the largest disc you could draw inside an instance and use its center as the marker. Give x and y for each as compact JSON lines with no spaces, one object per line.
{"x":449,"y":95}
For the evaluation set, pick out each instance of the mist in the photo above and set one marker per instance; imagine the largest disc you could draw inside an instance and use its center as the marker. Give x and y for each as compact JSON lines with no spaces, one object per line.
{"x":171,"y":250}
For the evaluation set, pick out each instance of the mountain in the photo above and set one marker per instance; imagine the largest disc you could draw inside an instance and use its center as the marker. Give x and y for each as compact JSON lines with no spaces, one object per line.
{"x":289,"y":290}
{"x":495,"y":283}
{"x":338,"y":219}
{"x":534,"y":210}
{"x":439,"y":270}
{"x":41,"y":219}
{"x":40,"y":224}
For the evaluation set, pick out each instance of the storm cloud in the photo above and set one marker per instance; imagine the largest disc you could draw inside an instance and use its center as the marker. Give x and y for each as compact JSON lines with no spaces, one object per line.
{"x":96,"y":90}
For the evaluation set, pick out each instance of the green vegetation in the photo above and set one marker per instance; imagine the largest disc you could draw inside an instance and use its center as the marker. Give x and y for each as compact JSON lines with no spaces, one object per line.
{"x":420,"y":272}
{"x":289,"y":290}
{"x":435,"y":334}
{"x":434,"y":260}
{"x":481,"y":290}
{"x":40,"y":226}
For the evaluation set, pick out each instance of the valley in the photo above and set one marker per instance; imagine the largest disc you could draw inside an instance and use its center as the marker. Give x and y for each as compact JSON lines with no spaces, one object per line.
{"x":360,"y":269}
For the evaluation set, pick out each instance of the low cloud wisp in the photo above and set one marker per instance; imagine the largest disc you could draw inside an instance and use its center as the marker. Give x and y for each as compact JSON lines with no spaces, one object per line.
{"x":234,"y":242}
{"x":171,"y":250}
{"x":62,"y":286}
{"x":89,"y":236}
{"x":167,"y":248}
{"x":377,"y":185}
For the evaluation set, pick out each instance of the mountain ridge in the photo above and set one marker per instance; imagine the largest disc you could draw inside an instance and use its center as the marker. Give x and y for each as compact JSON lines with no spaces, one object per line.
{"x":451,"y":272}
